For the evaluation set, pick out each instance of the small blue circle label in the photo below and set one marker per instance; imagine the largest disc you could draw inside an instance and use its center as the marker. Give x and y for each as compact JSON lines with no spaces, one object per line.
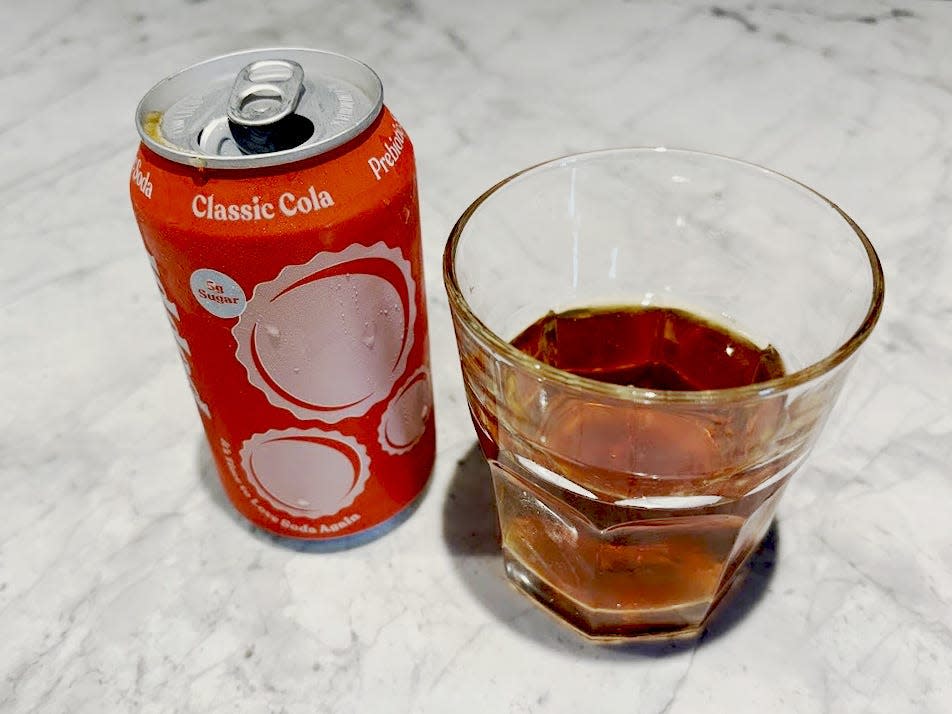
{"x":217,"y":293}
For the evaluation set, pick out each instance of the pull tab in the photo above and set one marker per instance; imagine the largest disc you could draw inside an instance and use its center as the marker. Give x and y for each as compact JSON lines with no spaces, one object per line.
{"x":261,"y":118}
{"x":265,"y":92}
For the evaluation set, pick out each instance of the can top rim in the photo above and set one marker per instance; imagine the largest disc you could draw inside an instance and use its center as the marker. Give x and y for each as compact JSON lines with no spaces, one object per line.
{"x":203,"y":74}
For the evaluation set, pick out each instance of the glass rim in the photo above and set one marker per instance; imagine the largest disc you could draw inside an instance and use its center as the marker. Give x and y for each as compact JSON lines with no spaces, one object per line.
{"x":461,"y":309}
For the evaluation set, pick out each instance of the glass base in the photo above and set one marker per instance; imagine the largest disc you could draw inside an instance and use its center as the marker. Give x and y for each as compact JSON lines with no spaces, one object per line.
{"x":623,"y":625}
{"x":613,"y":572}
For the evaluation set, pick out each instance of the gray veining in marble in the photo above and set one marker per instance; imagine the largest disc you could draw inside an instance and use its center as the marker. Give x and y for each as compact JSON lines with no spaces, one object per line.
{"x":127,"y":584}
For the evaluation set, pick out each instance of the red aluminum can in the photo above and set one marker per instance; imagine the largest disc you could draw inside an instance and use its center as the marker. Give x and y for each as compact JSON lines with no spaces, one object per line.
{"x":277,"y":200}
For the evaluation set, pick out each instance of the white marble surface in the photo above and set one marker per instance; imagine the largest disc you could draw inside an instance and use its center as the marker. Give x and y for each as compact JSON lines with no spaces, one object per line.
{"x":126,"y":584}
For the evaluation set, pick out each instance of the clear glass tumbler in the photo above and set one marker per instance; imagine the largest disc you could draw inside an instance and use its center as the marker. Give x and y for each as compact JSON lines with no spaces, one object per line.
{"x":625,"y":511}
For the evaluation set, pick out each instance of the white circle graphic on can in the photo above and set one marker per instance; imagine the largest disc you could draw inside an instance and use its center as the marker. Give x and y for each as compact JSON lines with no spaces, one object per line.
{"x":217,"y":293}
{"x":328,"y":339}
{"x":306,"y":472}
{"x":404,"y":420}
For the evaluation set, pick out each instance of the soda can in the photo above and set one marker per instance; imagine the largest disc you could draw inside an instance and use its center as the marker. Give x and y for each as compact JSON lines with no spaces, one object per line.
{"x":276,"y":196}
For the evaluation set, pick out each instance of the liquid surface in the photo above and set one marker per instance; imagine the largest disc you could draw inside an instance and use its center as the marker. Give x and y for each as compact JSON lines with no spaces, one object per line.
{"x":649,"y":347}
{"x":628,"y":553}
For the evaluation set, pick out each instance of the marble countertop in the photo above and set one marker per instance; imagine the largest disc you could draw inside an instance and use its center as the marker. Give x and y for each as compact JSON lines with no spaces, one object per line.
{"x":128,"y":584}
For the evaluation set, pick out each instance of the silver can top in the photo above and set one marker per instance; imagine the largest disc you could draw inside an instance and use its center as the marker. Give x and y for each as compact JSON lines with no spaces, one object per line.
{"x":259,"y":108}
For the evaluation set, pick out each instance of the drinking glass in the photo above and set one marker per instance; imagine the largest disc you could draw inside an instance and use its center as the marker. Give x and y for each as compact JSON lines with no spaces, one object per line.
{"x":628,"y":512}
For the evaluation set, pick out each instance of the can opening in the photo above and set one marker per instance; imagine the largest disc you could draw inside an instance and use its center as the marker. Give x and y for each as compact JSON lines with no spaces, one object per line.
{"x":293,"y":130}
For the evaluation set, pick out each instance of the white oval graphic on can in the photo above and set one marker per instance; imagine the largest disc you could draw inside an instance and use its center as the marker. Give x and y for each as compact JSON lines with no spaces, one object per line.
{"x":306,"y":472}
{"x":404,"y":420}
{"x":217,"y":293}
{"x":328,"y":339}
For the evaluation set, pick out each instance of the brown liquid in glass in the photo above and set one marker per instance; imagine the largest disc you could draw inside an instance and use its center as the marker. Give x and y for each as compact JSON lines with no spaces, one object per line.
{"x":650,"y":347}
{"x":612,"y":562}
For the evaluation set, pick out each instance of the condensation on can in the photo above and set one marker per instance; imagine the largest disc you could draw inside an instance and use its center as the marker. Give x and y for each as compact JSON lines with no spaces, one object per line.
{"x":277,"y":200}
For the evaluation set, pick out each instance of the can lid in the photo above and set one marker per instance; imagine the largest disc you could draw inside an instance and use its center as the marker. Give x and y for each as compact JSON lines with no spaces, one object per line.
{"x":259,"y":108}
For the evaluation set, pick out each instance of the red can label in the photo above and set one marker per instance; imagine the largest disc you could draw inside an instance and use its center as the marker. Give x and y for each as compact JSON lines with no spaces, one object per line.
{"x":296,"y":298}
